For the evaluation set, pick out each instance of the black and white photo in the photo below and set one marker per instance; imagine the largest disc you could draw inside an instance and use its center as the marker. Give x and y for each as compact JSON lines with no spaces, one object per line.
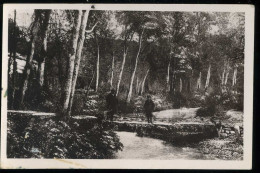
{"x":152,"y":87}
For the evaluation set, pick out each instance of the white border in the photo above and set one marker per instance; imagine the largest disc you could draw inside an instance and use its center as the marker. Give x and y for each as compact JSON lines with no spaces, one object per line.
{"x":140,"y":164}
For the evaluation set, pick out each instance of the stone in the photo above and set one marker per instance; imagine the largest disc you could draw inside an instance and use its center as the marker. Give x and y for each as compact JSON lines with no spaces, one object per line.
{"x":223,"y":135}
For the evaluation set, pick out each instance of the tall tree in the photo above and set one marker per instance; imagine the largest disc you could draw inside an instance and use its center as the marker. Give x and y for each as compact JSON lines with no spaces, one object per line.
{"x":143,"y":82}
{"x":208,"y":78}
{"x":135,"y":67}
{"x":112,"y":70}
{"x":71,"y":63}
{"x":97,"y":65}
{"x":35,"y":29}
{"x":78,"y":56}
{"x":14,"y":61}
{"x":43,"y":55}
{"x":128,"y":35}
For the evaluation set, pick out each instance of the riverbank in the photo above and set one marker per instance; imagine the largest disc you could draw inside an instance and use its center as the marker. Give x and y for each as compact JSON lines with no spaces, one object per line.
{"x":230,"y":148}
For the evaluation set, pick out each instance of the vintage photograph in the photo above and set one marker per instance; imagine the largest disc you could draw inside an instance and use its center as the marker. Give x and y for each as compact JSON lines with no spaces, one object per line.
{"x":125,"y":84}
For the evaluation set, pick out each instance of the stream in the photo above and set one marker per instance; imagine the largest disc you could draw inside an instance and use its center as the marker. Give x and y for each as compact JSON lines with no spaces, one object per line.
{"x":136,"y":147}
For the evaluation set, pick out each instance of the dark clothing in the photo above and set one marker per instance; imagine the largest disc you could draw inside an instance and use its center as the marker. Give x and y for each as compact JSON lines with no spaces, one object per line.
{"x":112,"y":103}
{"x":149,"y":108}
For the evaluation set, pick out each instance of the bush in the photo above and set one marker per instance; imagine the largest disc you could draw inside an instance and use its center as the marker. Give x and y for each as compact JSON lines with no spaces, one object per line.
{"x":217,"y":103}
{"x":232,"y":100}
{"x":60,"y":139}
{"x":210,"y":107}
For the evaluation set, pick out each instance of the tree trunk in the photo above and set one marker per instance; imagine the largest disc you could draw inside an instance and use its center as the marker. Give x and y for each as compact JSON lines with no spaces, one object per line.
{"x":97,"y":67}
{"x":208,"y":78}
{"x":70,"y":70}
{"x":180,"y":85}
{"x":128,"y":99}
{"x":112,"y":71}
{"x":234,"y":77}
{"x":14,"y":64}
{"x":41,"y":63}
{"x":227,"y":74}
{"x":168,"y":76}
{"x":143,"y":83}
{"x":223,"y":77}
{"x":123,"y":62}
{"x":78,"y":57}
{"x":199,"y":82}
{"x":139,"y":88}
{"x":29,"y":63}
{"x":121,"y":72}
{"x":136,"y":85}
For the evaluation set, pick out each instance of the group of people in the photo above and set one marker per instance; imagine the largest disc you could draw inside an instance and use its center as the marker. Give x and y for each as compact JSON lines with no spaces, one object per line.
{"x":112,"y":106}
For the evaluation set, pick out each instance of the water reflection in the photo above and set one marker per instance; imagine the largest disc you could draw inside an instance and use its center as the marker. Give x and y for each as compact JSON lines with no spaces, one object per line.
{"x":148,"y":148}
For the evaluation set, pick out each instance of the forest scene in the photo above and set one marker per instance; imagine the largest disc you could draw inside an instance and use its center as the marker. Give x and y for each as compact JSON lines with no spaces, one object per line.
{"x":80,"y":83}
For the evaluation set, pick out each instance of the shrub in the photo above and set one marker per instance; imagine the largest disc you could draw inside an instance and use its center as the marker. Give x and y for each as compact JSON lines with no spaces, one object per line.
{"x":60,"y":139}
{"x":210,"y":107}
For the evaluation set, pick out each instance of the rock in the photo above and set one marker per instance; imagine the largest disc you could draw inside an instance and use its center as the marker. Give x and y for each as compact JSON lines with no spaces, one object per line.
{"x":223,"y":135}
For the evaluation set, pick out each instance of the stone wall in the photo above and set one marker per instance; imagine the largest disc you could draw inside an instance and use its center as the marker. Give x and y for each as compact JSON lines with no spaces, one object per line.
{"x":227,"y":131}
{"x":176,"y":133}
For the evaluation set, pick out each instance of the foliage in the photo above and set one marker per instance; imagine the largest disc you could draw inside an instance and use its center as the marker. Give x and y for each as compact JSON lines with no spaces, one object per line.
{"x":216,"y":103}
{"x":60,"y":139}
{"x":189,"y":42}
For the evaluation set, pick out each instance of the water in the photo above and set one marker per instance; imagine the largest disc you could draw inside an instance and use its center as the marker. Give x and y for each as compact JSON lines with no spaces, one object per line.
{"x":148,"y":148}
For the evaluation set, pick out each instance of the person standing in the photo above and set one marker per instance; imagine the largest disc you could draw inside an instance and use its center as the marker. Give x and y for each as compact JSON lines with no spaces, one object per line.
{"x":149,"y":108}
{"x":112,"y":104}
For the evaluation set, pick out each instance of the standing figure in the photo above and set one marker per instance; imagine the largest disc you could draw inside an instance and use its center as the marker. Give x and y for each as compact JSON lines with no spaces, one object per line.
{"x":149,"y":108}
{"x":112,"y":103}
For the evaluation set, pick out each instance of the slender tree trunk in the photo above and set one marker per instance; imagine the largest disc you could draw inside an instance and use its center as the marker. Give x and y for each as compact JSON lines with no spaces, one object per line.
{"x":97,"y":66}
{"x":208,"y":78}
{"x":235,"y":80}
{"x":112,"y":71}
{"x":180,"y":84}
{"x":136,"y":86}
{"x":128,"y":99}
{"x":223,"y":77}
{"x":227,"y":74}
{"x":143,"y":83}
{"x":78,"y":56}
{"x":234,"y":77}
{"x":199,"y":82}
{"x":168,"y":76}
{"x":41,"y":63}
{"x":123,"y":62}
{"x":121,"y":72}
{"x":14,"y":63}
{"x":68,"y":82}
{"x":139,"y":88}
